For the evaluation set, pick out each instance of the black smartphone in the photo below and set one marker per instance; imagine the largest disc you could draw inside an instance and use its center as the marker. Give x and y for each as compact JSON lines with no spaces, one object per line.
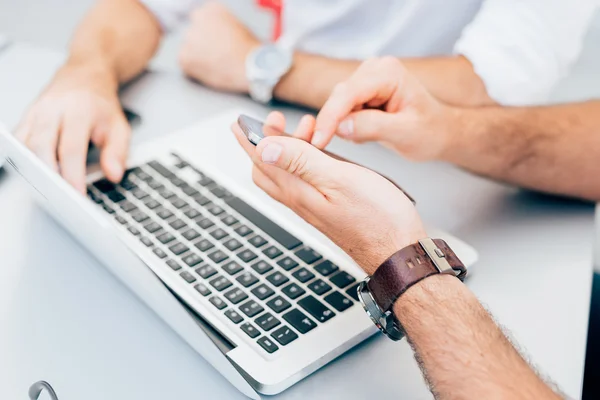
{"x":255,"y":131}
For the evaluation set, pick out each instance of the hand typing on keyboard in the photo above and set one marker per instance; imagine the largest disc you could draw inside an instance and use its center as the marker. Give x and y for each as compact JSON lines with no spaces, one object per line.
{"x":361,"y":211}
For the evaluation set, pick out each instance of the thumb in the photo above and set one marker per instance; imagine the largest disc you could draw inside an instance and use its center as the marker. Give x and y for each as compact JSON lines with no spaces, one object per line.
{"x":298,"y":158}
{"x":367,"y":125}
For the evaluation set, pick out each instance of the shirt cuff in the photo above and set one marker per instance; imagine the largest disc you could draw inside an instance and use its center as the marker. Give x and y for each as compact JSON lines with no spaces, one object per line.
{"x":169,"y":13}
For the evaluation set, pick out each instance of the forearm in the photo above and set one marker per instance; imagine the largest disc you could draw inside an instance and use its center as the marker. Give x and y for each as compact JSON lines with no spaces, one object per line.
{"x":116,"y":38}
{"x":313,"y":77}
{"x":552,"y":149}
{"x":462,"y":352}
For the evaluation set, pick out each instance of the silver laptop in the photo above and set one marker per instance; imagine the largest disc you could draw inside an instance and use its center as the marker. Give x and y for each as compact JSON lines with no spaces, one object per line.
{"x":260,"y":294}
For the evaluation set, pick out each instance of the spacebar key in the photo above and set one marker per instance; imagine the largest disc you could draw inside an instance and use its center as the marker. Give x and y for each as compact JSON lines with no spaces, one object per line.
{"x":286,"y":239}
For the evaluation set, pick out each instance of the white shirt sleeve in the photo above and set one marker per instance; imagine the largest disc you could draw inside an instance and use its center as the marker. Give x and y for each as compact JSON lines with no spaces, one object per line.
{"x":522,"y":48}
{"x":170,"y":12}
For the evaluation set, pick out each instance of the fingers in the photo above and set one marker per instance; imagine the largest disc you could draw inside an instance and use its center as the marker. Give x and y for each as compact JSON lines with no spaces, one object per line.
{"x":72,"y":148}
{"x":368,"y":125}
{"x":276,"y":120}
{"x":305,"y":128}
{"x":114,"y":149}
{"x":373,"y":83}
{"x":40,"y":133}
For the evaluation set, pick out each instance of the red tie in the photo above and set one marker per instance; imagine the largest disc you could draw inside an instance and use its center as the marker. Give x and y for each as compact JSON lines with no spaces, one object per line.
{"x":275,"y":6}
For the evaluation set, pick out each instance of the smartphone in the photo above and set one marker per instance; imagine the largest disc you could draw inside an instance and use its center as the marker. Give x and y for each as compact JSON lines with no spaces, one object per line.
{"x":255,"y":131}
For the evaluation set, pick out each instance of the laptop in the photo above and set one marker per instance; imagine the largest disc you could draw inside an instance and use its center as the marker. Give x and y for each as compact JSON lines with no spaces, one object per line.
{"x":255,"y":290}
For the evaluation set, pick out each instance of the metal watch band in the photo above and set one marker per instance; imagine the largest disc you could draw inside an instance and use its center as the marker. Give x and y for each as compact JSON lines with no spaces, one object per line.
{"x":411,"y":265}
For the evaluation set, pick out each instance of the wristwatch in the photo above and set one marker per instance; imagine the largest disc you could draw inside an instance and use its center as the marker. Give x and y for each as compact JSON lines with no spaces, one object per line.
{"x":265,"y":67}
{"x":379,"y":292}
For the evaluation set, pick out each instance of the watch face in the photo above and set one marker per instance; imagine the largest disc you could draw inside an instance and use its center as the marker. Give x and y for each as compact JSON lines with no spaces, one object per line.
{"x":271,"y":60}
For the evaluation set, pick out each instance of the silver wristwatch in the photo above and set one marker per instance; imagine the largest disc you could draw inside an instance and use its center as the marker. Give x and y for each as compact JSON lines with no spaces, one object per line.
{"x":265,"y":67}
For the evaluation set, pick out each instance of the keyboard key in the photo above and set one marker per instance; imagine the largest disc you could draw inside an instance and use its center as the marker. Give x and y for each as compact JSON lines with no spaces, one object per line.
{"x":147,"y":242}
{"x":104,"y":185}
{"x":308,"y":255}
{"x":220,"y":283}
{"x":177,"y":224}
{"x":164,"y":213}
{"x":267,"y":344}
{"x":165,"y":193}
{"x":251,"y":308}
{"x":96,"y":199}
{"x":218,"y":256}
{"x":181,"y":164}
{"x":152,"y":227}
{"x":190,"y":191}
{"x":282,"y":236}
{"x":178,"y":248}
{"x":161,"y":169}
{"x":201,"y":199}
{"x":192,"y":213}
{"x":267,"y":321}
{"x":277,"y":278}
{"x":165,"y":237}
{"x":190,"y":234}
{"x":246,"y":255}
{"x":232,"y":244}
{"x":316,"y":308}
{"x":205,"y":181}
{"x":218,"y":302}
{"x":262,"y":267}
{"x":220,"y":192}
{"x":319,"y":287}
{"x":215,"y":210}
{"x":139,"y":216}
{"x":178,"y":203}
{"x":204,"y":245}
{"x":139,"y":193}
{"x":154,"y":184}
{"x":326,"y":267}
{"x":229,"y":220}
{"x":247,"y":279}
{"x":115,"y":196}
{"x":272,"y":252}
{"x":257,"y":241}
{"x":173,"y":264}
{"x":128,"y":206}
{"x":262,"y":291}
{"x":234,"y":316}
{"x":177,"y":181}
{"x":243,"y":230}
{"x":152,"y":204}
{"x":140,"y":174}
{"x":218,"y":234}
{"x":299,"y":320}
{"x":342,"y":279}
{"x":127,"y":183}
{"x":232,"y":268}
{"x":338,"y":301}
{"x":352,"y":291}
{"x":108,"y":209}
{"x":202,"y":289}
{"x":205,"y":223}
{"x":133,"y":230}
{"x":206,"y":271}
{"x":284,"y":335}
{"x":235,"y":295}
{"x":159,"y":253}
{"x":303,"y":275}
{"x":120,"y":220}
{"x":287,"y":263}
{"x":192,"y":259}
{"x":250,"y":330}
{"x":189,"y":278}
{"x":278,"y":304}
{"x":293,"y":291}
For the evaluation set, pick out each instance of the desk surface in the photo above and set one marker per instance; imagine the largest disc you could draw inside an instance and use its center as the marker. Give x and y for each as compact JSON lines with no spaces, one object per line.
{"x":65,"y":319}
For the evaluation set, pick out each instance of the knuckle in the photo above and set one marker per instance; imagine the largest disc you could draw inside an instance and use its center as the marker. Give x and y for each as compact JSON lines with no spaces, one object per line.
{"x":297,"y":164}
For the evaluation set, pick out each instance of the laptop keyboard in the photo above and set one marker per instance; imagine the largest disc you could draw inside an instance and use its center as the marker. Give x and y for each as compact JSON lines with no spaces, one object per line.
{"x":257,"y":275}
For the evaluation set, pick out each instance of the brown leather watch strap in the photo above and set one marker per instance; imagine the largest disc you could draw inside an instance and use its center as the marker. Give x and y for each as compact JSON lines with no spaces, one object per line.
{"x":407,"y":267}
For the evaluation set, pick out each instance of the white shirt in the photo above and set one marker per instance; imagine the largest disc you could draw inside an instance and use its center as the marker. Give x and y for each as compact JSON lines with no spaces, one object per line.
{"x":519,"y":48}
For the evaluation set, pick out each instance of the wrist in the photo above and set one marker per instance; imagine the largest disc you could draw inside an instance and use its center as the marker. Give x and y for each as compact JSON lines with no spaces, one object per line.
{"x":455,"y":123}
{"x":81,"y":74}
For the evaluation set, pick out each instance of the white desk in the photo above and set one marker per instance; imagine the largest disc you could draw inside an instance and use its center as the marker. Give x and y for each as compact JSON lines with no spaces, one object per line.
{"x":64,"y":318}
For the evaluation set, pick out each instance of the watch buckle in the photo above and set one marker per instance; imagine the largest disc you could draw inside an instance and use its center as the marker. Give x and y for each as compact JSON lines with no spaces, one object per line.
{"x":438,"y":257}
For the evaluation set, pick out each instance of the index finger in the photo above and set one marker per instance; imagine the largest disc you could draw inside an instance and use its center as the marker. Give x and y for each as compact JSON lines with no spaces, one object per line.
{"x":366,"y":85}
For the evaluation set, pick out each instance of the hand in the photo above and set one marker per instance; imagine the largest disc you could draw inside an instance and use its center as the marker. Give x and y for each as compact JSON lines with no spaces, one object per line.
{"x":215,"y":48}
{"x":80,"y":105}
{"x":382,"y":102}
{"x":362,"y":212}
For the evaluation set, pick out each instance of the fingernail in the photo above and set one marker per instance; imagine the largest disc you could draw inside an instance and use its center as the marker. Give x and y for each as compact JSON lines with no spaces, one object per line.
{"x":317,"y":137}
{"x":271,"y":153}
{"x":346,"y":127}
